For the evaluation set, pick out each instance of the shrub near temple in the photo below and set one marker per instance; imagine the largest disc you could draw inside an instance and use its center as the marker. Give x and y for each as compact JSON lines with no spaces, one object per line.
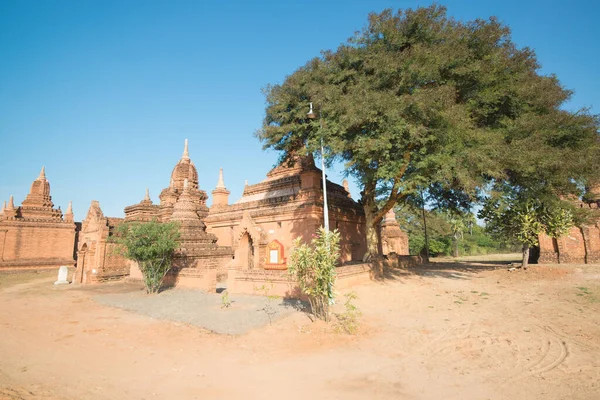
{"x":151,"y":245}
{"x":313,"y":266}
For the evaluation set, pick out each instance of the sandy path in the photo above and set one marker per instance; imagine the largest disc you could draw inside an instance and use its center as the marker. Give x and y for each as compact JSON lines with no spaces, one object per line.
{"x":448,"y":332}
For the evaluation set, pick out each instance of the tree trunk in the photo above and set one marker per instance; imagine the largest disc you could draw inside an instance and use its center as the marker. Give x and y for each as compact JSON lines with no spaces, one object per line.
{"x":371,"y":226}
{"x":525,"y":262}
{"x":455,"y":247}
{"x":371,"y":231}
{"x":425,"y":228}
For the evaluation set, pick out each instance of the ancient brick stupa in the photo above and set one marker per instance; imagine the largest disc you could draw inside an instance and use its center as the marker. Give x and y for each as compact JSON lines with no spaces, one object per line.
{"x":36,"y":234}
{"x":184,"y":170}
{"x":194,"y":241}
{"x":198,"y":257}
{"x":393,"y":239}
{"x":184,"y":202}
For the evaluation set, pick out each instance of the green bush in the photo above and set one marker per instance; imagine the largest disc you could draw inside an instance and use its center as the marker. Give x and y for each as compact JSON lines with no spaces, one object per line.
{"x":313,"y":266}
{"x":151,"y":245}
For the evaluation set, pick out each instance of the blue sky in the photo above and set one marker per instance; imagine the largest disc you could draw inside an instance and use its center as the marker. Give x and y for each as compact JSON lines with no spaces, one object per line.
{"x":103,"y":93}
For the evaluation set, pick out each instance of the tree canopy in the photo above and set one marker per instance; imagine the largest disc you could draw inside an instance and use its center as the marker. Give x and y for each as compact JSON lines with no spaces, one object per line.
{"x":418,"y":103}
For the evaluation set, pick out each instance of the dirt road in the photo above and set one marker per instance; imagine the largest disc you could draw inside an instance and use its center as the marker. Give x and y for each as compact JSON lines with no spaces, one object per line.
{"x":450,"y":331}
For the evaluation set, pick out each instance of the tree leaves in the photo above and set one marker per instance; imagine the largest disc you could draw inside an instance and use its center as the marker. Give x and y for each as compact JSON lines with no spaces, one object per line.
{"x":418,"y":101}
{"x":151,"y":245}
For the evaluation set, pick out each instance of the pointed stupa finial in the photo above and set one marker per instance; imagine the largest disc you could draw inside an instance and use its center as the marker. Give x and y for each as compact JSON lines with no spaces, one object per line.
{"x":11,"y":203}
{"x":346,"y":187}
{"x":70,"y":208}
{"x":390,"y":217}
{"x":185,"y":184}
{"x":3,"y":207}
{"x":221,"y":182}
{"x":42,"y":176}
{"x":186,"y":154}
{"x":147,"y":198}
{"x":246,"y":182}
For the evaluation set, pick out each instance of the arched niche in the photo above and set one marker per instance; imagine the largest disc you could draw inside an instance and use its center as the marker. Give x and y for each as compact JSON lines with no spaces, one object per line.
{"x":249,"y":243}
{"x":275,"y":256}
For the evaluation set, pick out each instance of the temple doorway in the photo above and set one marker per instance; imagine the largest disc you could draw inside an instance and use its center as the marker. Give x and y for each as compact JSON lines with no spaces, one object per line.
{"x":247,"y":251}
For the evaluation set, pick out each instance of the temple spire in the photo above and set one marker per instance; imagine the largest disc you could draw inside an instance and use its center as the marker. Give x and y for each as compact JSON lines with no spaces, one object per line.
{"x":3,"y":207}
{"x":68,"y":216}
{"x":186,"y":155}
{"x":11,"y":203}
{"x":147,"y":198}
{"x":42,"y":176}
{"x":220,"y":194}
{"x":221,"y":182}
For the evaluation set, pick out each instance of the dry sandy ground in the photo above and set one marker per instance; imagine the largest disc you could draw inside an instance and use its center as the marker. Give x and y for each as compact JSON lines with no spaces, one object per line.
{"x":450,"y":331}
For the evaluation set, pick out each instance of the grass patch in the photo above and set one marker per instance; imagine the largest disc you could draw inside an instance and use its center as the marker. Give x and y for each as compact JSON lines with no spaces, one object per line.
{"x":587,"y":294}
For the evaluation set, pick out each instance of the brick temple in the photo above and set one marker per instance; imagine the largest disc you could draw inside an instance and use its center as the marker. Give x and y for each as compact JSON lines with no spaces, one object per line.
{"x":246,"y":242}
{"x":35,"y":234}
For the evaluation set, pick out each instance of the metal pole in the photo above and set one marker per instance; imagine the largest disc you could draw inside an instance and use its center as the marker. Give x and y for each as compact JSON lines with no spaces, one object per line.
{"x":325,"y":209}
{"x":311,"y":115}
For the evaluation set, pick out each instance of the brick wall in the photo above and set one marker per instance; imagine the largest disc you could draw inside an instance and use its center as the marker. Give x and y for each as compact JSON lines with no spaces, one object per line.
{"x":26,"y":244}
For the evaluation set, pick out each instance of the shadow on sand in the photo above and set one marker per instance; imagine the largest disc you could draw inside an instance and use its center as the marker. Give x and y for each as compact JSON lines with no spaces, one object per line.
{"x":448,"y":270}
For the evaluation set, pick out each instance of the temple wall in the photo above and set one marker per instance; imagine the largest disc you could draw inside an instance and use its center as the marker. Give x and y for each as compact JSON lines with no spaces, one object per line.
{"x":351,"y":275}
{"x":262,"y":282}
{"x":286,"y":227}
{"x":591,"y":238}
{"x":578,"y":246}
{"x":353,"y":244}
{"x":571,"y":247}
{"x":194,"y":278}
{"x":30,"y":244}
{"x":279,"y":283}
{"x":548,"y":250}
{"x":114,"y":266}
{"x":98,"y":261}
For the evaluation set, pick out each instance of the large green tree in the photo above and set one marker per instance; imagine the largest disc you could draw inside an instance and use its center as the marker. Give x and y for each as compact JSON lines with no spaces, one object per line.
{"x":419,"y":104}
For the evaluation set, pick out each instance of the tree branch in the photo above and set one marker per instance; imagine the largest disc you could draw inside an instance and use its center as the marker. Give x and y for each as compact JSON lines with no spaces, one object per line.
{"x":395,"y":194}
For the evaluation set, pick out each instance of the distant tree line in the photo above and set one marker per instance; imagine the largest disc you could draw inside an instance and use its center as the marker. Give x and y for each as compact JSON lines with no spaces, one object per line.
{"x":450,"y":234}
